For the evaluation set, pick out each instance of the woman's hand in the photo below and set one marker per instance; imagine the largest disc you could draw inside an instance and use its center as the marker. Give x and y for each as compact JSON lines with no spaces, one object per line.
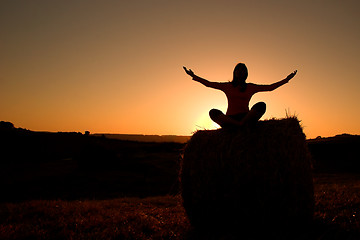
{"x":189,"y":72}
{"x":291,"y":75}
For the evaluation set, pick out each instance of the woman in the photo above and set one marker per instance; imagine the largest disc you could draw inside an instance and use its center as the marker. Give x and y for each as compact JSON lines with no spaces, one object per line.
{"x":238,"y":94}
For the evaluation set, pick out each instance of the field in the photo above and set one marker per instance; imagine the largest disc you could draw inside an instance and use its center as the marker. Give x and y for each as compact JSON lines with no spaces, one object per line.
{"x":337,"y":216}
{"x":72,"y":186}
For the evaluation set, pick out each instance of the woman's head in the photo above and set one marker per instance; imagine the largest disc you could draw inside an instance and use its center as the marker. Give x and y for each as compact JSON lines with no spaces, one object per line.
{"x":240,"y":74}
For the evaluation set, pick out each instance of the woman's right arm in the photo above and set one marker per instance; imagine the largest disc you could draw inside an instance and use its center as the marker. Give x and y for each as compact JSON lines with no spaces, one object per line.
{"x":203,"y":81}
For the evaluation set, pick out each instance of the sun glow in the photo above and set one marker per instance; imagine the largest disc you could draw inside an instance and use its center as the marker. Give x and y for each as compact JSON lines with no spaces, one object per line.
{"x":204,"y":122}
{"x":118,"y":67}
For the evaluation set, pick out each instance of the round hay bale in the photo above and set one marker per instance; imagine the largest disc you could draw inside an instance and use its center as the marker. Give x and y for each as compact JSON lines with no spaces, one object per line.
{"x":248,"y":178}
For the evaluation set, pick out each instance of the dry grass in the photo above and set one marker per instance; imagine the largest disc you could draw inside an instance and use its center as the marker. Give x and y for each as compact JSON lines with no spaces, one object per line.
{"x":337,"y":199}
{"x":126,"y":218}
{"x":248,"y":178}
{"x":337,"y":204}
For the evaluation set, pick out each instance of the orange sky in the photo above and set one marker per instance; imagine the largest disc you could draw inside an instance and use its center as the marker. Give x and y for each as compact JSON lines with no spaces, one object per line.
{"x":116,"y":66}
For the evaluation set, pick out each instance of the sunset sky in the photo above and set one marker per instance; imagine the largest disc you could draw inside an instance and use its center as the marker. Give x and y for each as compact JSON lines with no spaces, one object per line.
{"x":116,"y":66}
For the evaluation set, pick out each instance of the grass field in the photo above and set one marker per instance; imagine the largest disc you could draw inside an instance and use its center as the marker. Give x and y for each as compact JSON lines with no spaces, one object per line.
{"x":337,"y":216}
{"x":337,"y":199}
{"x":72,"y":186}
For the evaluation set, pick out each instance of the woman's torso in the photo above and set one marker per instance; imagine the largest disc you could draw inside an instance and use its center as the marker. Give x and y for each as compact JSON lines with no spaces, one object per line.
{"x":238,"y":101}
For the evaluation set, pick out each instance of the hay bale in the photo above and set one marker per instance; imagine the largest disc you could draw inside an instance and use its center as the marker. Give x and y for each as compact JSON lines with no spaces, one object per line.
{"x":248,"y":178}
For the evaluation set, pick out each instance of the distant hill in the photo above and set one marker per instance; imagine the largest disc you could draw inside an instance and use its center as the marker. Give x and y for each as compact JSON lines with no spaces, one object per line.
{"x":72,"y":165}
{"x":145,"y":138}
{"x":338,"y":138}
{"x":8,"y":126}
{"x":76,"y":165}
{"x":340,"y":152}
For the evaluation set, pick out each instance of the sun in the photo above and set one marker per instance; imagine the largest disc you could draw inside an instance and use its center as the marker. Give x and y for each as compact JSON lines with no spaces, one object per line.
{"x":205,"y":123}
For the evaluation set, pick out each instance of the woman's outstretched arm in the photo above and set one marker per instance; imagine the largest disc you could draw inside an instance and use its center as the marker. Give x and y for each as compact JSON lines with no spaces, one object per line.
{"x":274,"y":86}
{"x":203,"y":81}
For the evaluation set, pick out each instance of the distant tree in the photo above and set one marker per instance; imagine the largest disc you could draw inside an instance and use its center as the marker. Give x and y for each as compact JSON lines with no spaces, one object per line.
{"x":87,"y":133}
{"x":6,"y":126}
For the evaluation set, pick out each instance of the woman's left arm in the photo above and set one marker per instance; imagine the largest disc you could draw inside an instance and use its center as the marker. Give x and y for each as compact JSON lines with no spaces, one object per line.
{"x":271,"y":87}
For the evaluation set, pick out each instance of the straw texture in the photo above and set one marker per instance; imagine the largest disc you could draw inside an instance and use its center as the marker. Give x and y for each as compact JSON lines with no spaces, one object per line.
{"x":248,"y":178}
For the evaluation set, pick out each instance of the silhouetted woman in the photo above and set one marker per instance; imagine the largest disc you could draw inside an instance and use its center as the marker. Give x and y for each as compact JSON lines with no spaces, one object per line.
{"x":238,"y":94}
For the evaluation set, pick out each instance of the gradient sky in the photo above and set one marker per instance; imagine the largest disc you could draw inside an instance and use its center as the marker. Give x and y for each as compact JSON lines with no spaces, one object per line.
{"x":116,"y":66}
